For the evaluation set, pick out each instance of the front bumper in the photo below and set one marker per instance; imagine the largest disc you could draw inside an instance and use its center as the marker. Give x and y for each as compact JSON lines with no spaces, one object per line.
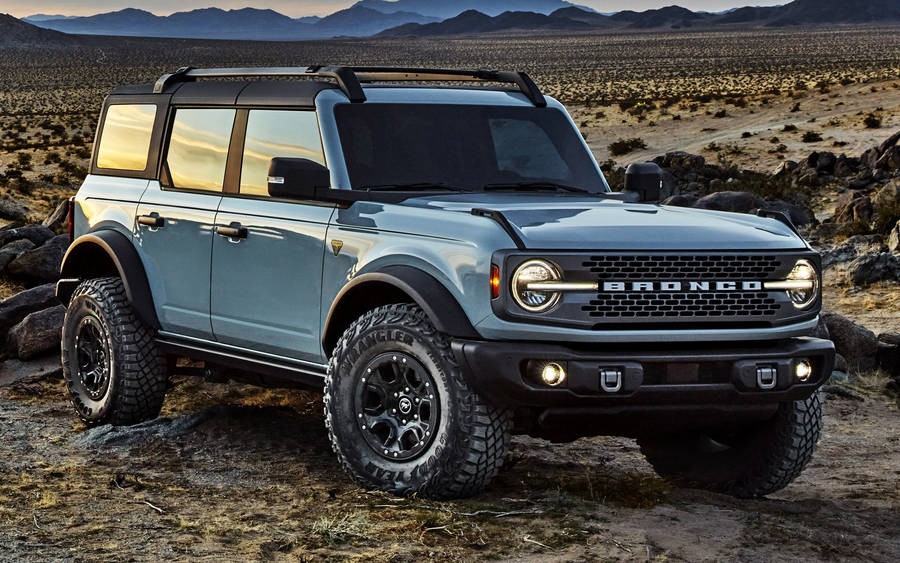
{"x":663,"y":376}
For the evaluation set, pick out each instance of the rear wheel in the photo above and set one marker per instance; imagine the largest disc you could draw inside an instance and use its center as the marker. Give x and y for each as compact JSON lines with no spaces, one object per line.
{"x":400,"y":416}
{"x":111,"y":364}
{"x":750,"y":463}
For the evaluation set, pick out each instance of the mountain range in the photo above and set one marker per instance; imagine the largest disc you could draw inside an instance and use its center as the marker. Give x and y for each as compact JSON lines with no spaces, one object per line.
{"x":430,"y":18}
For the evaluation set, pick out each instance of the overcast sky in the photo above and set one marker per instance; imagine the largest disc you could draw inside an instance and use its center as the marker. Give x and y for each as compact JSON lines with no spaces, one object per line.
{"x":297,"y":8}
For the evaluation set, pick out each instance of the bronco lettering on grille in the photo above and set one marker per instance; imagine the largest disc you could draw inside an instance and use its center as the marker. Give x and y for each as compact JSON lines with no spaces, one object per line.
{"x":677,"y":286}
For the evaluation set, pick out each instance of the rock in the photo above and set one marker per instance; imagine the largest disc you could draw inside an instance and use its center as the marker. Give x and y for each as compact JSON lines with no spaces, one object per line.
{"x":38,"y":234}
{"x":41,"y":264}
{"x":798,"y":215}
{"x":809,"y":178}
{"x":888,"y":357}
{"x":57,"y":220}
{"x":890,"y":338}
{"x":840,"y":363}
{"x":669,"y":184}
{"x":894,"y":239}
{"x":680,"y":160}
{"x":844,"y":166}
{"x":869,"y":268}
{"x":861,"y":180}
{"x":12,"y":210}
{"x":738,"y":202}
{"x":888,"y":196}
{"x":12,"y":251}
{"x":856,"y":343}
{"x":716,"y":184}
{"x":825,"y":163}
{"x":785,"y":168}
{"x":889,"y":142}
{"x":681,"y":200}
{"x":37,"y":334}
{"x":15,"y":308}
{"x":890,"y":160}
{"x":853,"y":207}
{"x":109,"y":437}
{"x":15,"y":371}
{"x":851,"y":249}
{"x":870,"y":157}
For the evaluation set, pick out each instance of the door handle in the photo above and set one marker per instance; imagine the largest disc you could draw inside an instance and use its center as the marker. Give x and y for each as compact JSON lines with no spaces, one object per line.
{"x":153,"y":220}
{"x":232,"y":231}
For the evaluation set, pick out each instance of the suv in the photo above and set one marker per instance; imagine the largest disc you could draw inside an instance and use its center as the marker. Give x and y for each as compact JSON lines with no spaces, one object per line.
{"x":450,"y":263}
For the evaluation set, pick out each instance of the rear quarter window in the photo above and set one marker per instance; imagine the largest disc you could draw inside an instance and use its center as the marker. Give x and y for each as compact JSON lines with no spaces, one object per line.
{"x":125,"y":137}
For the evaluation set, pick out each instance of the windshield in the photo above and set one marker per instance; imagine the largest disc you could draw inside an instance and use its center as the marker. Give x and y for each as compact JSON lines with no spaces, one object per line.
{"x":463,"y":147}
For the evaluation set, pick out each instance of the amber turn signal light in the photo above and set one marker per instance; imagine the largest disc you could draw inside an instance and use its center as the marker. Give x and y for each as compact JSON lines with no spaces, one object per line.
{"x":495,"y":282}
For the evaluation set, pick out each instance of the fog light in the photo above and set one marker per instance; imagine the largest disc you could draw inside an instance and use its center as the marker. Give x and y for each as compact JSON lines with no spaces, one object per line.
{"x":803,"y":370}
{"x":553,"y":374}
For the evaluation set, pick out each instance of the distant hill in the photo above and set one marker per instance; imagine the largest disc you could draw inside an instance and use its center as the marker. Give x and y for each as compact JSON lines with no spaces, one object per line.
{"x":473,"y":21}
{"x":670,"y":16}
{"x":46,"y":17}
{"x":836,"y":12}
{"x":444,"y":9}
{"x":246,"y":23}
{"x":16,"y":33}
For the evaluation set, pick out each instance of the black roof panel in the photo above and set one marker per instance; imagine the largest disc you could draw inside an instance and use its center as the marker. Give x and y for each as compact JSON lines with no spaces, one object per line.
{"x":300,"y":93}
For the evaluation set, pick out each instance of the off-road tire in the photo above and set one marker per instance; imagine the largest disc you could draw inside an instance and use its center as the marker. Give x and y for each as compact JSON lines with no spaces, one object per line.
{"x":761,"y":461}
{"x":472,"y":435}
{"x":137,"y":377}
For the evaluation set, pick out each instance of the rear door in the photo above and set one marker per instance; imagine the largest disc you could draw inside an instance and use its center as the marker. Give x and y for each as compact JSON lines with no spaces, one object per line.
{"x":174,"y":227}
{"x":266,"y":283}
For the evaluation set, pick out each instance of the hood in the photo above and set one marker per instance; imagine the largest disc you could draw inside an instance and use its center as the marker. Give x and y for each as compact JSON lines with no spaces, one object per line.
{"x":554,"y":222}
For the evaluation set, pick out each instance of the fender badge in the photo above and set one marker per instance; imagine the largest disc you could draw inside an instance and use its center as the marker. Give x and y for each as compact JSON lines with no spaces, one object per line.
{"x":336,"y":246}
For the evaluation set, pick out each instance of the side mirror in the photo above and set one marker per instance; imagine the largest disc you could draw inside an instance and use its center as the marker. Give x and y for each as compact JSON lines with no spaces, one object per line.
{"x":297,"y":178}
{"x":645,"y":180}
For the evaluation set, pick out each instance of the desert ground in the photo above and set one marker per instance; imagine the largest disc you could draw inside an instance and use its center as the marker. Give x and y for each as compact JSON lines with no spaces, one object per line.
{"x":237,"y":473}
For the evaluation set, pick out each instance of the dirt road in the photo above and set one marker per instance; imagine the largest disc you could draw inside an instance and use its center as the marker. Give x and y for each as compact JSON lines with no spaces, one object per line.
{"x":237,"y":473}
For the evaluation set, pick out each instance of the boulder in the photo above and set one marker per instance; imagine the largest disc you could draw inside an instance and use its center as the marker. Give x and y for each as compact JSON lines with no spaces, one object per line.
{"x":888,"y":357}
{"x":851,"y":249}
{"x":58,"y":218}
{"x":825,"y":162}
{"x":853,"y":207}
{"x":42,"y":263}
{"x":681,"y":200}
{"x":738,"y":202}
{"x":37,"y":234}
{"x":894,"y":239}
{"x":785,"y":168}
{"x":871,"y":268}
{"x":844,"y":167}
{"x":680,"y":160}
{"x":857,"y":344}
{"x":809,"y":178}
{"x":890,"y":160}
{"x":888,"y":196}
{"x":12,"y":251}
{"x":889,"y":142}
{"x":798,"y":215}
{"x":870,"y":158}
{"x":861,"y":180}
{"x":15,"y":308}
{"x":12,"y":210}
{"x":37,"y":334}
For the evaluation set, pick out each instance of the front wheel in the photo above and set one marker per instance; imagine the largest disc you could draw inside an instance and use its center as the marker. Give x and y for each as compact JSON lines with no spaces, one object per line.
{"x":111,"y":364}
{"x":751,"y":463}
{"x":400,"y":416}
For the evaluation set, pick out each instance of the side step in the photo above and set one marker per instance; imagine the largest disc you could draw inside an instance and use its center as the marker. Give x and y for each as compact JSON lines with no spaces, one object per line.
{"x":285,"y":370}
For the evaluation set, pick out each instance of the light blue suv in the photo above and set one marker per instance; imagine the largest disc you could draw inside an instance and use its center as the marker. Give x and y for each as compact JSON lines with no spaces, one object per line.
{"x":449,"y":262}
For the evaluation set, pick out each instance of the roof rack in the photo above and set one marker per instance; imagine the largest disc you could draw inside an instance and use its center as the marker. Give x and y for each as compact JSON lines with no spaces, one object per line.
{"x":350,"y":79}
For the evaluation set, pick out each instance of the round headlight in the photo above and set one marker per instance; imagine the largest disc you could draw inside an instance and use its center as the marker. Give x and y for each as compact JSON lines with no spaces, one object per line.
{"x":807,"y":291}
{"x":532,"y":272}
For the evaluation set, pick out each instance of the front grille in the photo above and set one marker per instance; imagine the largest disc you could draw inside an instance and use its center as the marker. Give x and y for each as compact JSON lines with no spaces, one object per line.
{"x":680,"y":267}
{"x":681,"y":305}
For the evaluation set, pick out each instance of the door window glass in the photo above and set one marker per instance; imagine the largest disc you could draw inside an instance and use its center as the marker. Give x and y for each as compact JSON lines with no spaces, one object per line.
{"x":125,"y":141}
{"x":198,"y":148}
{"x":277,"y":133}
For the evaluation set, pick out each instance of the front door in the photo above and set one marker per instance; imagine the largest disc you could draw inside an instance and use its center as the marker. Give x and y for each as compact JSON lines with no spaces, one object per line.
{"x":267,"y":254}
{"x":175,"y":218}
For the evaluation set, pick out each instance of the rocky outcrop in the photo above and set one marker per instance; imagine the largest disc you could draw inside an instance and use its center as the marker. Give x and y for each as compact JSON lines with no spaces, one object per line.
{"x":14,"y":309}
{"x":870,"y":268}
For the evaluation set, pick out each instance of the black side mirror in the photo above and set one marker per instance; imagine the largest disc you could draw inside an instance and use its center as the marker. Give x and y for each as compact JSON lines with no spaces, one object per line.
{"x":297,"y":178}
{"x":645,"y":180}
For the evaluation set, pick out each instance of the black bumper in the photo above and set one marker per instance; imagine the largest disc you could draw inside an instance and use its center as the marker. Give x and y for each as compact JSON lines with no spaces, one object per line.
{"x":653,"y":376}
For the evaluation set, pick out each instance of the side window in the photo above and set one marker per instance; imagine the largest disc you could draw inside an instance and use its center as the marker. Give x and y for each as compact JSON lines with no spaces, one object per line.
{"x":277,"y":133}
{"x":524,"y":148}
{"x":125,"y":139}
{"x":198,"y":148}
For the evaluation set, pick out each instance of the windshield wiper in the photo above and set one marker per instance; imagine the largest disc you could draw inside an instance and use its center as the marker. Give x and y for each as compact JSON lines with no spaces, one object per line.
{"x":536,"y":186}
{"x":411,"y":187}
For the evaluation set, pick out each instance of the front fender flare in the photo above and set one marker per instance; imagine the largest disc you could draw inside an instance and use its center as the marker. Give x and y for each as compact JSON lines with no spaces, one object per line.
{"x":426,"y":291}
{"x":108,"y":253}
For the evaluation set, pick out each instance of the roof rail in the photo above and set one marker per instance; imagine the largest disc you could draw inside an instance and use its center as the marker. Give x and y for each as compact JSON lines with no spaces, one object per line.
{"x":350,"y":79}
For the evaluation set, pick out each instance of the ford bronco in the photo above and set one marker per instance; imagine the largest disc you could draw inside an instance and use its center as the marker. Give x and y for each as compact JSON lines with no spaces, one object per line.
{"x":439,"y":250}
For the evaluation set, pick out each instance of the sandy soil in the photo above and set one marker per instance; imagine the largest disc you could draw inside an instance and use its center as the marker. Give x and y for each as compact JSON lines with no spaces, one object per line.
{"x":235,"y":473}
{"x":837,"y":115}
